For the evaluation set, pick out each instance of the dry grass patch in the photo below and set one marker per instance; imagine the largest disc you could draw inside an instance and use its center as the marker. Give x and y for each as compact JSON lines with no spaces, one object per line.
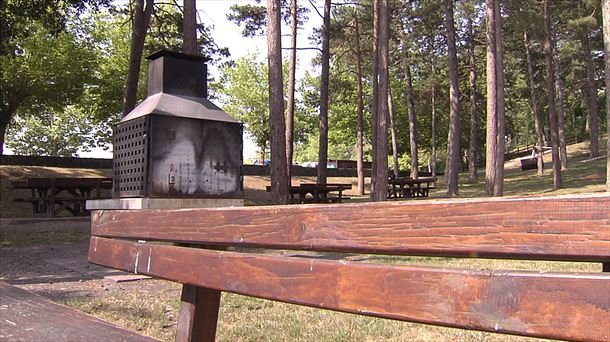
{"x":244,"y":318}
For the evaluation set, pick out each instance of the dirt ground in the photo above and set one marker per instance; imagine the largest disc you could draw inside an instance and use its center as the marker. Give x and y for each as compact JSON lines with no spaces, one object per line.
{"x":59,"y":270}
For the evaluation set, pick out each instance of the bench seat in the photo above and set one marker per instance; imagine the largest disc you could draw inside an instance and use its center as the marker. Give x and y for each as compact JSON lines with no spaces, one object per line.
{"x":30,"y":317}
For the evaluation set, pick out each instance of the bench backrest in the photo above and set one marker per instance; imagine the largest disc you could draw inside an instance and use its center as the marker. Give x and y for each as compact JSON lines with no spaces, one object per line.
{"x":557,"y":305}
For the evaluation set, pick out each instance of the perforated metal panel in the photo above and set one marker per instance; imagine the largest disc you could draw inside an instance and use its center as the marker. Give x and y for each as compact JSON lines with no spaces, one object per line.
{"x":130,"y":158}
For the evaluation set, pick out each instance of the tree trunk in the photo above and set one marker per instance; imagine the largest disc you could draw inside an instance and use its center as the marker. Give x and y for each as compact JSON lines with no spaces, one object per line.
{"x":406,"y":69}
{"x":473,"y":148}
{"x":292,"y":67}
{"x":433,"y":120}
{"x":279,"y":177}
{"x":360,"y":109}
{"x":139,"y":26}
{"x":323,"y":142}
{"x":189,"y":28}
{"x":492,"y":87}
{"x":606,"y":28}
{"x":262,"y":154}
{"x":563,"y":152}
{"x":394,"y":137}
{"x":379,"y":191}
{"x":5,"y":119}
{"x":548,"y":51}
{"x":374,"y":100}
{"x":574,"y":128}
{"x":501,"y":143}
{"x":534,"y":100}
{"x":452,"y":167}
{"x":592,"y":94}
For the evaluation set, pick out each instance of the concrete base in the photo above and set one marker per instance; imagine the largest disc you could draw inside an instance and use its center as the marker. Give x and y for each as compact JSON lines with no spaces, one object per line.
{"x":163,"y":203}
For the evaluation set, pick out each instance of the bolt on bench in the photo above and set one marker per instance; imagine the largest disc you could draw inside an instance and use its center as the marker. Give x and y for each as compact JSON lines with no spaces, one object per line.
{"x":571,"y":306}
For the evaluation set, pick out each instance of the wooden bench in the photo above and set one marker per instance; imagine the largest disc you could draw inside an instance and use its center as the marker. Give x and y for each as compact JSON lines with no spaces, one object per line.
{"x":406,"y":187}
{"x":307,"y":193}
{"x":562,"y":305}
{"x":51,"y":196}
{"x":26,"y":316}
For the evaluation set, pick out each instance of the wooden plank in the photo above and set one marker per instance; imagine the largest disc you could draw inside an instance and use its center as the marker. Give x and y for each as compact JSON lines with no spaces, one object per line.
{"x":198,"y":315}
{"x":556,"y":305}
{"x":25,"y":316}
{"x":551,"y":228}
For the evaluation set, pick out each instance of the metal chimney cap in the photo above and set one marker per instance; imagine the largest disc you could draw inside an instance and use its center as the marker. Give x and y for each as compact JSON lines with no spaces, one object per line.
{"x":179,"y":106}
{"x":179,"y":55}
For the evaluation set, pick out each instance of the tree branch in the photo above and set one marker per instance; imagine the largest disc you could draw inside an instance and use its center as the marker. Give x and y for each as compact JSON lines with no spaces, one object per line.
{"x":316,"y":9}
{"x":303,"y":48}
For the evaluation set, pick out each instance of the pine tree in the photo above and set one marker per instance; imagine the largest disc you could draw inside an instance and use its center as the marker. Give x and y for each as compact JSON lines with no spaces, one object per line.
{"x":453,"y":145}
{"x":279,"y":177}
{"x":550,"y":74}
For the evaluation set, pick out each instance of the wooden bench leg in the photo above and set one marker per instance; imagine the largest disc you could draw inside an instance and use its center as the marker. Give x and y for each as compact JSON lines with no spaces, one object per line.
{"x":198,"y":314}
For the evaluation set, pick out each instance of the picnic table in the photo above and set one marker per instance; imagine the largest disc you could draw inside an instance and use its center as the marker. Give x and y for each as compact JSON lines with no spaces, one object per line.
{"x":406,"y":187}
{"x":50,"y":196}
{"x":316,"y":193}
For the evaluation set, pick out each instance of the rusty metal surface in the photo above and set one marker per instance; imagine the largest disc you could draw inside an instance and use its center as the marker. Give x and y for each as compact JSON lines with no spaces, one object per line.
{"x":195,"y":158}
{"x":176,"y":143}
{"x":129,"y":162}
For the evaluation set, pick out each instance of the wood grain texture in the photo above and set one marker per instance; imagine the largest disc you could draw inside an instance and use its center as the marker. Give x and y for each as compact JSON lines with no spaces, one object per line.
{"x":25,"y":316}
{"x":198,"y":314}
{"x":573,"y":228}
{"x":557,"y":305}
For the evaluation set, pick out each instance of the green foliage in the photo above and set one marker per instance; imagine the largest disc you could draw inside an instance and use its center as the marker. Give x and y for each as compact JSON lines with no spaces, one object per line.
{"x":45,"y":74}
{"x":46,"y":71}
{"x":17,"y":16}
{"x":110,"y":33}
{"x":252,"y":17}
{"x":51,"y":133}
{"x":243,"y":90}
{"x":83,"y":66}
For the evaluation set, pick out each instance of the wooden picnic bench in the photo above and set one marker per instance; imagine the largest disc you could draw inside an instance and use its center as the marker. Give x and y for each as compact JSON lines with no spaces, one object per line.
{"x":406,"y":187}
{"x":51,"y":196}
{"x":561,"y":305}
{"x":316,"y":193}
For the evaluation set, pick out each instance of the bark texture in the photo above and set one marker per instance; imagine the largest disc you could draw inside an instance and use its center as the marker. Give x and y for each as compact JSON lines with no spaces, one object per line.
{"x":139,"y":25}
{"x":501,"y":134}
{"x":360,"y":110}
{"x":548,"y":51}
{"x":292,"y":68}
{"x":473,"y":148}
{"x":323,"y":142}
{"x":492,"y":116}
{"x":406,"y":69}
{"x":394,"y":135}
{"x":433,"y":119}
{"x":189,"y":28}
{"x":279,"y":176}
{"x":534,"y":100}
{"x":452,"y":167}
{"x":379,"y":190}
{"x":606,"y":27}
{"x":561,"y":113}
{"x":593,"y":121}
{"x":374,"y":99}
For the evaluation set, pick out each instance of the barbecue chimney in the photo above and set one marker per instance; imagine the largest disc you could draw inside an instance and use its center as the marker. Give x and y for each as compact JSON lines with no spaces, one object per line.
{"x":176,"y":143}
